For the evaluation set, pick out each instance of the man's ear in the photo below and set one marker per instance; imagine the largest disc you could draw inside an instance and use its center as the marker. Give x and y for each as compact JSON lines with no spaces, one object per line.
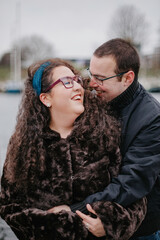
{"x":44,"y":98}
{"x":128,"y":78}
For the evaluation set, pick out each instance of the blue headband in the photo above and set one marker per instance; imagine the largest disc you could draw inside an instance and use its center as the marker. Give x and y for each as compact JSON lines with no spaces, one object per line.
{"x":38,"y":76}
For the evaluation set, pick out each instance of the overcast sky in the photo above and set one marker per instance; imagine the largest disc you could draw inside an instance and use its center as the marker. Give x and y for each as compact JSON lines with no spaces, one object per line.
{"x":74,"y":27}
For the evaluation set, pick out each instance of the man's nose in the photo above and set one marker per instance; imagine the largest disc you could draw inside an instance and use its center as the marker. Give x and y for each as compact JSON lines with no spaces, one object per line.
{"x":92,"y":82}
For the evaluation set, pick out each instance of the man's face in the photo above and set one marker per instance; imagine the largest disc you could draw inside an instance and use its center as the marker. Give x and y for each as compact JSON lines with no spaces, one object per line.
{"x":103,"y":67}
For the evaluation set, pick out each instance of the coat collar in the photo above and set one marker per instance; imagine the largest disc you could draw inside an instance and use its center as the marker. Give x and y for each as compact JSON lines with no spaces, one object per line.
{"x":126,"y":97}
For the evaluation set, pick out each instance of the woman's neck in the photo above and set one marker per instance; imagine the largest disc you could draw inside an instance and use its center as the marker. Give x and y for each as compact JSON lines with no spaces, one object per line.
{"x":63,"y":125}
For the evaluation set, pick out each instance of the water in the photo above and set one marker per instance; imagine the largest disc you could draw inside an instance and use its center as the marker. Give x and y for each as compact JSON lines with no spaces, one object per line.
{"x":8,"y":109}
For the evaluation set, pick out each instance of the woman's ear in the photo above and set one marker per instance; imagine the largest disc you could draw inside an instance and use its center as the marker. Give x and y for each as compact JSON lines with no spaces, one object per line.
{"x":128,"y":78}
{"x":44,"y":98}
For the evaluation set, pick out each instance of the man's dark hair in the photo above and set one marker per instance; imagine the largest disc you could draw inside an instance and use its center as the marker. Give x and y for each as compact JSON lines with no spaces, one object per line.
{"x":123,"y":52}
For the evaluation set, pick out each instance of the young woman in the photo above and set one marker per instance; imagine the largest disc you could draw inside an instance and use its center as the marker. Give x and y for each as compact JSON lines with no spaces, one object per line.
{"x":65,"y":146}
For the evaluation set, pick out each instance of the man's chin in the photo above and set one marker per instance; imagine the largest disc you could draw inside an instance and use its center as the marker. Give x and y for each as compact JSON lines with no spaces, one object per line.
{"x":103,"y":96}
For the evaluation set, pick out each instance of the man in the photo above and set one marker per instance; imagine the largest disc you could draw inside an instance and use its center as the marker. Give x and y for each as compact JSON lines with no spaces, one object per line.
{"x":113,"y":70}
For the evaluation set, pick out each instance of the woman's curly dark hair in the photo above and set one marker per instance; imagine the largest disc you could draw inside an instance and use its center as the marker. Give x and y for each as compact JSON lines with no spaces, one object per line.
{"x":33,"y":117}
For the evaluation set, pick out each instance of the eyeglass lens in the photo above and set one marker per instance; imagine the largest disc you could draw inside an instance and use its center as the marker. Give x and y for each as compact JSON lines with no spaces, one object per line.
{"x":99,"y":82}
{"x":68,"y":81}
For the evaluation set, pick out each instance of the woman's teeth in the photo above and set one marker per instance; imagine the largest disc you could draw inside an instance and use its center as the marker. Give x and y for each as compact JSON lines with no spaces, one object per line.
{"x":77,"y":98}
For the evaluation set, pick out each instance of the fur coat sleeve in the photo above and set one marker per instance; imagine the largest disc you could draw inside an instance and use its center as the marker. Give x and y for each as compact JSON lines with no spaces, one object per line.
{"x":81,"y":164}
{"x":36,"y":224}
{"x":120,"y":222}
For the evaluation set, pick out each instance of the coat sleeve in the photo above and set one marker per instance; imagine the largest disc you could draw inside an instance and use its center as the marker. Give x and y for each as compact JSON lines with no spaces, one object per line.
{"x":138,"y":173}
{"x":120,"y":223}
{"x":36,"y":224}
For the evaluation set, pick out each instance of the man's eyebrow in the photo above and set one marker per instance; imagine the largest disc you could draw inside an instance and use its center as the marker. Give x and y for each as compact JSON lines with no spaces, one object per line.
{"x":98,"y":75}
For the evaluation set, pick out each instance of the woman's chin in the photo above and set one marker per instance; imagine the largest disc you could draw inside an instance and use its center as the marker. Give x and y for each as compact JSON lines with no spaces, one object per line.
{"x":79,"y":110}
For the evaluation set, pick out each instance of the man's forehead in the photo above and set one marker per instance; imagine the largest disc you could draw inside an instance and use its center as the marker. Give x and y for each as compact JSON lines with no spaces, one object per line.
{"x":98,"y":65}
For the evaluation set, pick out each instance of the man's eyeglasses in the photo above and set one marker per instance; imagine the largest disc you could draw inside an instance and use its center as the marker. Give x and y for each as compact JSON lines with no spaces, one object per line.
{"x":99,"y":80}
{"x":68,"y":82}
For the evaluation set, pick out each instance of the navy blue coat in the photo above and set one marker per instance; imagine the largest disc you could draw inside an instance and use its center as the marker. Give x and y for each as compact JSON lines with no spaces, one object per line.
{"x":139,"y":113}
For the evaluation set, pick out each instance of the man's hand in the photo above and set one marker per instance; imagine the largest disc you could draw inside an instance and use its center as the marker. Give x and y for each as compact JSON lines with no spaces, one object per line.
{"x":94,"y":225}
{"x":59,"y":208}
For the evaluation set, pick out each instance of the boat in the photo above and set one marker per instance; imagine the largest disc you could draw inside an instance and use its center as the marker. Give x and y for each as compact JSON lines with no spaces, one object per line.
{"x":13,"y":87}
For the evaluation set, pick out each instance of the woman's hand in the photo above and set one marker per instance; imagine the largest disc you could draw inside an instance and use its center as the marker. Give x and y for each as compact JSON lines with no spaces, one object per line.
{"x":94,"y":225}
{"x":59,"y":208}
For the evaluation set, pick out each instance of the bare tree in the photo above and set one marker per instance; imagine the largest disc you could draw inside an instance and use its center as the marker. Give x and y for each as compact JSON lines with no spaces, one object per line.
{"x":128,"y":23}
{"x":34,"y":48}
{"x":5,"y":59}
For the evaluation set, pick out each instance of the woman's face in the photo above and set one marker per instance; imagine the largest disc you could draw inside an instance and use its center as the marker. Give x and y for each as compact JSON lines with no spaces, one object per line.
{"x":63,"y":100}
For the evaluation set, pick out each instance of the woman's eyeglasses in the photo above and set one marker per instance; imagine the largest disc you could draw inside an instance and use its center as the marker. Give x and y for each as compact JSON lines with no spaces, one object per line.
{"x":68,"y":82}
